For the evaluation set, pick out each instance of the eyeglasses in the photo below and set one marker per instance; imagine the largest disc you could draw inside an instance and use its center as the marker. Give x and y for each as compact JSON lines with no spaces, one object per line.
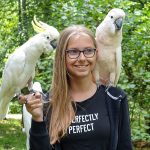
{"x":74,"y":53}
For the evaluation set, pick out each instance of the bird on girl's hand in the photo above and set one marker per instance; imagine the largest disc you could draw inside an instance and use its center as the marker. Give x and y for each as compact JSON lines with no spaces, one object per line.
{"x":19,"y":70}
{"x":109,"y":38}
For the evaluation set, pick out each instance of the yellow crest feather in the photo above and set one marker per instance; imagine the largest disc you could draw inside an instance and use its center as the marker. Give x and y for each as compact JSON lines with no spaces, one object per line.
{"x":37,"y":26}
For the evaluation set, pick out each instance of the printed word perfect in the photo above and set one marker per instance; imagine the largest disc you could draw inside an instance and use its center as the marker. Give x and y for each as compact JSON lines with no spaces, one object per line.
{"x":85,"y":118}
{"x":83,"y":123}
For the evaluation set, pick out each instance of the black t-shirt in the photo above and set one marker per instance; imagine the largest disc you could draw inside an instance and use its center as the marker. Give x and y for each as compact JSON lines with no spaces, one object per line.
{"x":90,"y":130}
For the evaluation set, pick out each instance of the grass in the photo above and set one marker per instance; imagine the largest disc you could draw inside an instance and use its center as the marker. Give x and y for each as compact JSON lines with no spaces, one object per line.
{"x":11,"y":135}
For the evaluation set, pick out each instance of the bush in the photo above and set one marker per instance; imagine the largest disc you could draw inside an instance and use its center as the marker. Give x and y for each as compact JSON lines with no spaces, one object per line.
{"x":15,"y":107}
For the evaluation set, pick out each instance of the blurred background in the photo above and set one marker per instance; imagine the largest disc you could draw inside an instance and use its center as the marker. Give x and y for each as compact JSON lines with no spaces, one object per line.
{"x":16,"y":28}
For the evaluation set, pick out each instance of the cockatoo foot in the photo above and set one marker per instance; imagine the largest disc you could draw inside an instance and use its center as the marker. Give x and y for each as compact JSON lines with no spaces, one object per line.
{"x":110,"y":84}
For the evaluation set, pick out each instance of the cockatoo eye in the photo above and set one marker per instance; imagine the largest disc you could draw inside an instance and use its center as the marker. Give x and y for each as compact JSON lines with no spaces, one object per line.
{"x":47,"y":37}
{"x":111,"y":17}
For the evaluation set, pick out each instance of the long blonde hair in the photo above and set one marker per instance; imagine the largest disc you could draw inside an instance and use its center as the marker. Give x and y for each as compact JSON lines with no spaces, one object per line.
{"x":62,"y":111}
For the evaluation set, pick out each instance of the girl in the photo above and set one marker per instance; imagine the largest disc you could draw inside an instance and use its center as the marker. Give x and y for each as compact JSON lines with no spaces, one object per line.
{"x":82,"y":115}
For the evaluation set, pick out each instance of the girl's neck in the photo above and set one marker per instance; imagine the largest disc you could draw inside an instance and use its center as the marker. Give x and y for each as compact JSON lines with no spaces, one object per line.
{"x":82,"y":89}
{"x":81,"y":84}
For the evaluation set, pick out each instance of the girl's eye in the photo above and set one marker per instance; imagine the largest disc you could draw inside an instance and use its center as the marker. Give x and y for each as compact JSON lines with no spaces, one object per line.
{"x":73,"y":51}
{"x":89,"y":50}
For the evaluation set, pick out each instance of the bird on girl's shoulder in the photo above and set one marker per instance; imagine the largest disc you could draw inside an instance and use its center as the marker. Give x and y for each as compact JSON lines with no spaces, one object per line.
{"x":109,"y":38}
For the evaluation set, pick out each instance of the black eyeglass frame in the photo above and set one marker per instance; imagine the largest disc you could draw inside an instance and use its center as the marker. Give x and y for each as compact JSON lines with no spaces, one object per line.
{"x":81,"y":51}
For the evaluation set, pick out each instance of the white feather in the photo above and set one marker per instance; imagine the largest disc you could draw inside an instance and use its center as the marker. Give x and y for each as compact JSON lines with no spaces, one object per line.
{"x":118,"y":64}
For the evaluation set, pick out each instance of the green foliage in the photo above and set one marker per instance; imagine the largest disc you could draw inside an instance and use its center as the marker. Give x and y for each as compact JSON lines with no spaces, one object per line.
{"x":135,"y":76}
{"x":15,"y":107}
{"x":11,"y":135}
{"x":44,"y":69}
{"x":140,"y":124}
{"x":8,"y":23}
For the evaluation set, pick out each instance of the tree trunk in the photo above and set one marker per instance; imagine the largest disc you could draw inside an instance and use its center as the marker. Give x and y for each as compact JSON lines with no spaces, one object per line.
{"x":23,"y":22}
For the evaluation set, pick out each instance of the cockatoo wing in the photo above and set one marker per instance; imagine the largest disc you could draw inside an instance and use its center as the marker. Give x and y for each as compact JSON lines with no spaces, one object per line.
{"x":14,"y":70}
{"x":118,"y":64}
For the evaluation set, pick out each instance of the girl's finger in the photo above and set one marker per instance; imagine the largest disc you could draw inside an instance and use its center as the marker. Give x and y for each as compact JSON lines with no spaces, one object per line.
{"x":37,"y":95}
{"x":35,"y":101}
{"x":22,"y":99}
{"x":34,"y":106}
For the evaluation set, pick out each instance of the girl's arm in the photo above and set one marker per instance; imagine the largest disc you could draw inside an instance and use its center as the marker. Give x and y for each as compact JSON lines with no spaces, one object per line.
{"x":39,"y":136}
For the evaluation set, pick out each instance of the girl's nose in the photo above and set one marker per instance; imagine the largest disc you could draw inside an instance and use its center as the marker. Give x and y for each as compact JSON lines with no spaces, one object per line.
{"x":81,"y":56}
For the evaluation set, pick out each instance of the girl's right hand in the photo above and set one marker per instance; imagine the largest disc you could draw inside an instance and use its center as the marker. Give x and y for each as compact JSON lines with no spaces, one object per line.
{"x":33,"y":104}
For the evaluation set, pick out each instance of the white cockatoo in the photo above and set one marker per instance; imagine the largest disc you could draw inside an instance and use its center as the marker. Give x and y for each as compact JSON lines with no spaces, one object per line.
{"x":109,"y":38}
{"x":20,"y":67}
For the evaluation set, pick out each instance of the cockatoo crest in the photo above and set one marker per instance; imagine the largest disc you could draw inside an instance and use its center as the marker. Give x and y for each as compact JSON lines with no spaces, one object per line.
{"x":49,"y":31}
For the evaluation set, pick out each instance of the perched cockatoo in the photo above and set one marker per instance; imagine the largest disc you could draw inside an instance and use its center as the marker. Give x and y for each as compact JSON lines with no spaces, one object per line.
{"x":109,"y":38}
{"x":20,"y":67}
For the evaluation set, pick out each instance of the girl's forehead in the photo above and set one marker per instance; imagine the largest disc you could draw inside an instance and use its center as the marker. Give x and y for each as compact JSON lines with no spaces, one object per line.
{"x":80,"y":40}
{"x":79,"y":36}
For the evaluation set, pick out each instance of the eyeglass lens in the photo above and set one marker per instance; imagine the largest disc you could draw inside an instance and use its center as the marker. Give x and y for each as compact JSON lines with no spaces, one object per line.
{"x":75,"y":53}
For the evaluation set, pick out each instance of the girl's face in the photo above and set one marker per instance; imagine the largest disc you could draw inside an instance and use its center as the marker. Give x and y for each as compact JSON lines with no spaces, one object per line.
{"x":80,"y":64}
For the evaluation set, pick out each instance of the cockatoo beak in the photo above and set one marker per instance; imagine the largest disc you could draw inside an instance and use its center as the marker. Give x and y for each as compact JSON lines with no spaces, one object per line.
{"x":118,"y":23}
{"x":54,"y":43}
{"x":37,"y":26}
